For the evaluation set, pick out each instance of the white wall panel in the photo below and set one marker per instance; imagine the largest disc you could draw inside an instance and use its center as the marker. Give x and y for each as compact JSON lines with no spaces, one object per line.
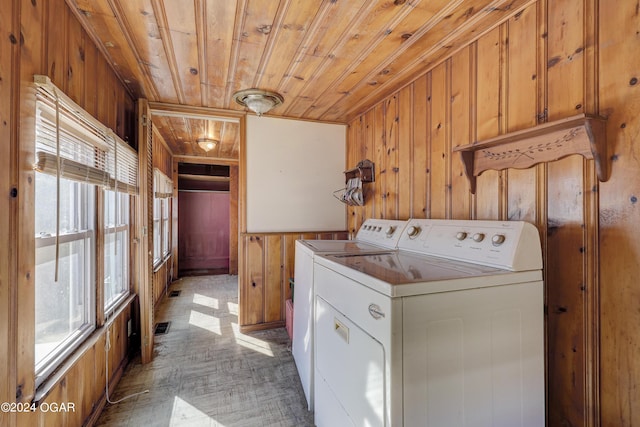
{"x":293,"y":168}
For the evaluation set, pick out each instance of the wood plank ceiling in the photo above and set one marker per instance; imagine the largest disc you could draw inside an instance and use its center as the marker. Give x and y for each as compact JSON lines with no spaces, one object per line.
{"x":330,"y":59}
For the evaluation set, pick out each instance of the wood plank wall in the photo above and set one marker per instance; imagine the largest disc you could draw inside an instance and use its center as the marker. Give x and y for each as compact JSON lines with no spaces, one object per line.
{"x":552,"y":60}
{"x":45,"y":38}
{"x":266,"y":265}
{"x":163,"y":160}
{"x":162,"y":157}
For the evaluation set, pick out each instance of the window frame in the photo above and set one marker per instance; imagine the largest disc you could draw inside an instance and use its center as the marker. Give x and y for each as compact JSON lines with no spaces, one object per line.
{"x":162,"y":207}
{"x":84,"y":209}
{"x":74,"y":147}
{"x":115,"y":229}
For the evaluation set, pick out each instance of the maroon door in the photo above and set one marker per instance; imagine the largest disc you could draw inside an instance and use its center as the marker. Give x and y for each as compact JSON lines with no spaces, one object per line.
{"x":203,"y":230}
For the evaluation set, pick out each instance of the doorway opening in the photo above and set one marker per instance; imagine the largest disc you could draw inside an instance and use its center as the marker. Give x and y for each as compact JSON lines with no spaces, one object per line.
{"x":203,"y":219}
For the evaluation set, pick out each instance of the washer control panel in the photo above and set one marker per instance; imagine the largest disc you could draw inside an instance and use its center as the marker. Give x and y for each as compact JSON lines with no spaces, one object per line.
{"x":384,"y":232}
{"x":512,"y":245}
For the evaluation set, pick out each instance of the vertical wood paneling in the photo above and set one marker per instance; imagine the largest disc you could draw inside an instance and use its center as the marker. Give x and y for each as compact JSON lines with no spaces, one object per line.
{"x":619,"y":98}
{"x":566,"y":285}
{"x":367,"y":151}
{"x":380,"y":185}
{"x":419,"y":147}
{"x":144,"y":228}
{"x":405,"y":153}
{"x":91,"y":57}
{"x":100,"y":372}
{"x":32,"y":60}
{"x":162,"y":158}
{"x":75,"y":392}
{"x":233,"y":220}
{"x":253,"y":304}
{"x":160,"y":281}
{"x":522,"y":110}
{"x":488,"y":118}
{"x":439,"y":154}
{"x":56,"y":30}
{"x":273,"y":297}
{"x":75,"y":69}
{"x":58,"y":394}
{"x":85,"y":370}
{"x":460,"y":131}
{"x":354,"y":130}
{"x":390,"y":148}
{"x":289,"y":247}
{"x":8,"y":106}
{"x":174,"y":220}
{"x":268,"y":264}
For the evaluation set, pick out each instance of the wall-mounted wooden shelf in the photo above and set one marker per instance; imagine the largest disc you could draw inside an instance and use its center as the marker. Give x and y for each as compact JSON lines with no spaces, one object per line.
{"x":581,"y":134}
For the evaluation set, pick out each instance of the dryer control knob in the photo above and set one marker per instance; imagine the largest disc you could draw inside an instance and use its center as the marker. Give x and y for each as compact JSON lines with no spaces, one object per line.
{"x":461,"y":235}
{"x":413,"y":231}
{"x":390,"y":230}
{"x":498,"y":239}
{"x":478,"y":237}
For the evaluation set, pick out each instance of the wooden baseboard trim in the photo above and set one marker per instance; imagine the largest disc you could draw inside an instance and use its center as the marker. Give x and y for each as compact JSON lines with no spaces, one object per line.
{"x":261,"y":326}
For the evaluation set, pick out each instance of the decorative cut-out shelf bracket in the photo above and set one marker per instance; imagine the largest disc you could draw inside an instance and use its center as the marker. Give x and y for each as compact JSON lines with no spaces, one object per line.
{"x":581,"y":134}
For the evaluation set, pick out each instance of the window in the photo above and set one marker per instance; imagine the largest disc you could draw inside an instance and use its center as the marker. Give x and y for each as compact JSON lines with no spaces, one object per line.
{"x":157,"y":230}
{"x":76,"y":157}
{"x":165,"y":226}
{"x":116,"y":248}
{"x":163,"y":190}
{"x":64,"y":307}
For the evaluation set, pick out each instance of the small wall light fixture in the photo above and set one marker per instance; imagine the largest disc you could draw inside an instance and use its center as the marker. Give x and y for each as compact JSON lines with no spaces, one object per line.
{"x":257,"y":100}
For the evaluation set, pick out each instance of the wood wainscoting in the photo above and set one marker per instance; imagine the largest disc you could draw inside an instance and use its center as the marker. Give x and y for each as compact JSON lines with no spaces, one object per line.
{"x":162,"y":277}
{"x":266,"y":266}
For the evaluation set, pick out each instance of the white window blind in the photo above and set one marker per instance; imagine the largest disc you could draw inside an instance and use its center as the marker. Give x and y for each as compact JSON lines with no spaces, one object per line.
{"x":74,"y":145}
{"x":126,"y":167}
{"x":162,"y":185}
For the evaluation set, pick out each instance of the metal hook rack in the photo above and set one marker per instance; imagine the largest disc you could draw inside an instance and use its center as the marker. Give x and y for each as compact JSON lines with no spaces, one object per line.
{"x":365,"y":170}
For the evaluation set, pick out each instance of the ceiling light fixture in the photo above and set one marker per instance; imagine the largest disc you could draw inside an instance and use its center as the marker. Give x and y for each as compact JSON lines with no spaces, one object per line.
{"x":257,"y":100}
{"x":207,"y":144}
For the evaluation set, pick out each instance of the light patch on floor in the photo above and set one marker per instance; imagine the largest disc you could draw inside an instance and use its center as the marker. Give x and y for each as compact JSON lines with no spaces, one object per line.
{"x":205,"y":321}
{"x":233,"y":308}
{"x":184,"y":414}
{"x":205,"y":301}
{"x":250,"y":342}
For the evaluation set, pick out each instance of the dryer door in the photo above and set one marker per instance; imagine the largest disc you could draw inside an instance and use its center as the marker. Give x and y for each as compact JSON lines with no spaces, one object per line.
{"x":349,"y":372}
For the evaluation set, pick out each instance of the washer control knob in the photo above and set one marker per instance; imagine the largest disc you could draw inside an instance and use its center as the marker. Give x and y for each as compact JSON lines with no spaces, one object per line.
{"x":390,"y":230}
{"x":498,"y":239}
{"x":461,"y":235}
{"x":478,"y":237}
{"x":413,"y":231}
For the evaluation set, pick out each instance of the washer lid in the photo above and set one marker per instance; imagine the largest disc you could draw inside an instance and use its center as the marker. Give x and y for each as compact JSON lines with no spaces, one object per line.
{"x":401,"y":273}
{"x":339,"y":246}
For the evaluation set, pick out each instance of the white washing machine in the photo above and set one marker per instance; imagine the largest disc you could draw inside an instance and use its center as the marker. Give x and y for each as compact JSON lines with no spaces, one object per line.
{"x":374,"y":236}
{"x":446,"y":331}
